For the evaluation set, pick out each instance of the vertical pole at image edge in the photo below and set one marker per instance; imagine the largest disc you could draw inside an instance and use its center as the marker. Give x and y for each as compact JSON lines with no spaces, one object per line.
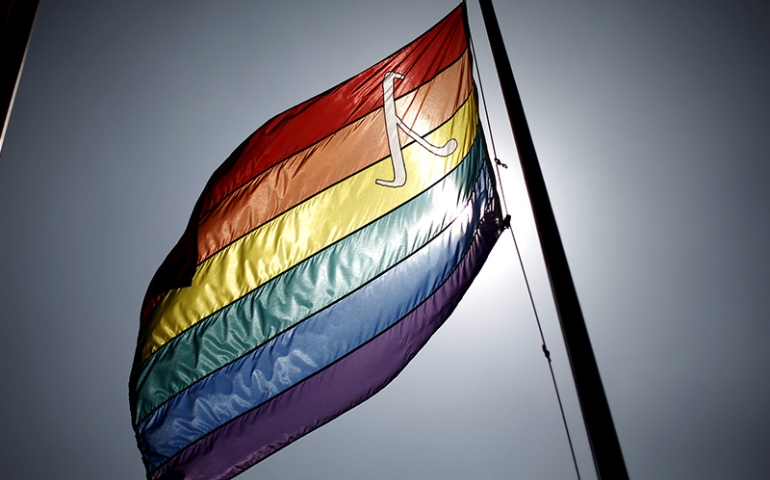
{"x":18,"y":17}
{"x":605,"y":447}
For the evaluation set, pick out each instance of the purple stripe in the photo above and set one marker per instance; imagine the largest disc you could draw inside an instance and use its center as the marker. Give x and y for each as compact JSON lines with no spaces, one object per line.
{"x":241,"y":443}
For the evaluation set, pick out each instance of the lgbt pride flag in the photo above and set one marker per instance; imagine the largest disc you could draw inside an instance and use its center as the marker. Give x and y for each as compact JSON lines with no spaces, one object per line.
{"x":318,"y":260}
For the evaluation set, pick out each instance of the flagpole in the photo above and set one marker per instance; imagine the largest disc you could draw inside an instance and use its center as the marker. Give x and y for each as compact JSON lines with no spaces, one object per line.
{"x":17,"y":21}
{"x":608,"y":457}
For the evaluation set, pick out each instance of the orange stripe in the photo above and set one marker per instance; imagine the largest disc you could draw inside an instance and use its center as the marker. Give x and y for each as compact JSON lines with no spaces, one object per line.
{"x":350,"y":150}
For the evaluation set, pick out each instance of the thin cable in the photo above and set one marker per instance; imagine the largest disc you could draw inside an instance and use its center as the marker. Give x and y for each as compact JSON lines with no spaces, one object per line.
{"x":546,"y":352}
{"x":498,"y":163}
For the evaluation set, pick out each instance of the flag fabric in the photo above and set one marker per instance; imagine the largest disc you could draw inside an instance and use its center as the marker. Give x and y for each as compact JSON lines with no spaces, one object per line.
{"x":318,"y":260}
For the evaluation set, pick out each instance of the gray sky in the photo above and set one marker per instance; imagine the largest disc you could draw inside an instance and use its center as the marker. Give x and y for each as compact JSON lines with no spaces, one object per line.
{"x":652,"y":123}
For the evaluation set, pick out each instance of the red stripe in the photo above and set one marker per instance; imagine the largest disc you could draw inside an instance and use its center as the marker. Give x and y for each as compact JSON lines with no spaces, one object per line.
{"x":309,"y":122}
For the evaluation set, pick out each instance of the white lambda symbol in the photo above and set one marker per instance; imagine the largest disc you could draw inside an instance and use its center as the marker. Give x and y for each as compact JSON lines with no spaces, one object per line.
{"x":391,"y":122}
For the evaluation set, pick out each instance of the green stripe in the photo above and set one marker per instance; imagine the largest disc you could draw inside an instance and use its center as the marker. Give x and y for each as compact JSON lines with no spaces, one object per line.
{"x":284,"y":301}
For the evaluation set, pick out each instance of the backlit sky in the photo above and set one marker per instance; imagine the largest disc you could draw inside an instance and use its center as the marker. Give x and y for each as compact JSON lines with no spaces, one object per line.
{"x":651,"y":119}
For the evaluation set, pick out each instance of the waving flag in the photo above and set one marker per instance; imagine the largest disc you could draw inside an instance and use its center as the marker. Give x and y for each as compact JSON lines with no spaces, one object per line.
{"x":320,"y":257}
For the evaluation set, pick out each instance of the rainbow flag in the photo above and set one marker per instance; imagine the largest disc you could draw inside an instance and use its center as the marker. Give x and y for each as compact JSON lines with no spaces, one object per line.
{"x":318,"y":260}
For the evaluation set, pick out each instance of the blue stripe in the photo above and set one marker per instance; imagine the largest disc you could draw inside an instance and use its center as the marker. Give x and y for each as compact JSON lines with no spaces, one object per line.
{"x":313,"y":344}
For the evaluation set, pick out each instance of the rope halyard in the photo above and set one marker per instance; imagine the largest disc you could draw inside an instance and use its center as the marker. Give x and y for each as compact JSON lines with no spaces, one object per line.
{"x":507,"y":224}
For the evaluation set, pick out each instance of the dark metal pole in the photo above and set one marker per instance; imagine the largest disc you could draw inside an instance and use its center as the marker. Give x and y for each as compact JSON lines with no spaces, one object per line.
{"x":608,"y":457}
{"x":18,"y":17}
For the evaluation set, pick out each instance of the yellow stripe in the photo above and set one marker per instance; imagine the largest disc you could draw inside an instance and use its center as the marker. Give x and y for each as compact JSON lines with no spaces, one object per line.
{"x":306,"y":229}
